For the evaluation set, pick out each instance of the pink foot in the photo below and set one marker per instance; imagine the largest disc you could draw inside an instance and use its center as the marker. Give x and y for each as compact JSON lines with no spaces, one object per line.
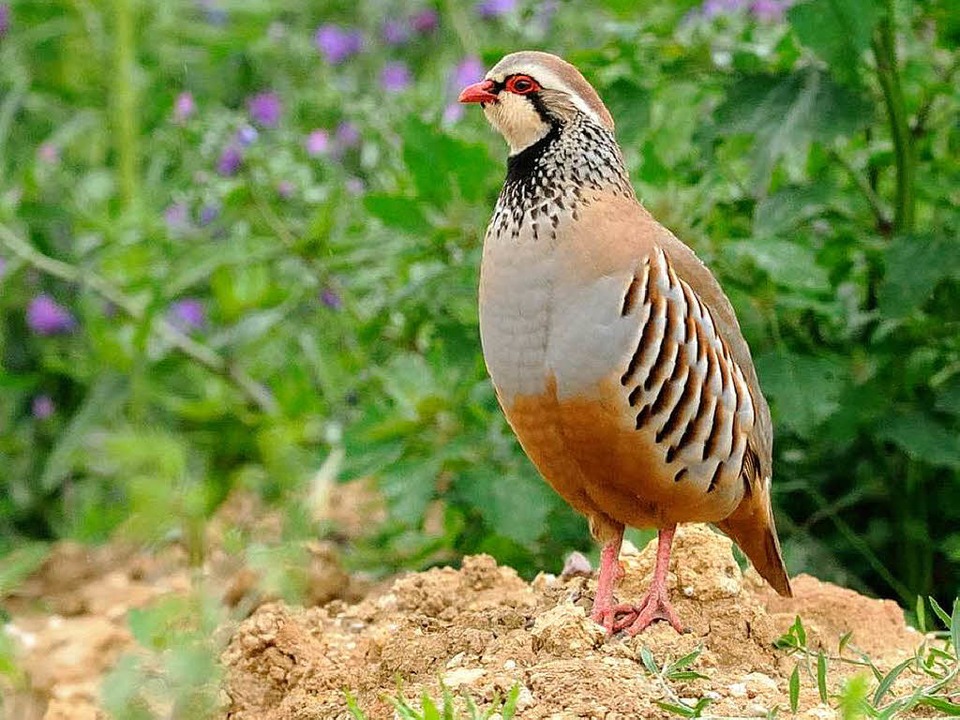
{"x":655,"y":606}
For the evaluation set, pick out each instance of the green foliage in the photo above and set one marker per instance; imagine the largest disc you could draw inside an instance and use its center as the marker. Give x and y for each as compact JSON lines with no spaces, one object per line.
{"x":504,"y":709}
{"x":812,"y":164}
{"x":935,"y":669}
{"x":175,"y":672}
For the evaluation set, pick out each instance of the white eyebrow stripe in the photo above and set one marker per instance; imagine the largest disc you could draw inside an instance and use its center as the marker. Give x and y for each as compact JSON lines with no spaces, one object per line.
{"x":551,"y":81}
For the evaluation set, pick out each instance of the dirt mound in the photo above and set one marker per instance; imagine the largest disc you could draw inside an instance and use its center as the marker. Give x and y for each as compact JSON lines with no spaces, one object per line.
{"x":69,"y":619}
{"x":482,"y":629}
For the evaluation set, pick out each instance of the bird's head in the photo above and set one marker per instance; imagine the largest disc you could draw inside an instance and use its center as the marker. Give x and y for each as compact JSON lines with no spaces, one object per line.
{"x":528,"y":93}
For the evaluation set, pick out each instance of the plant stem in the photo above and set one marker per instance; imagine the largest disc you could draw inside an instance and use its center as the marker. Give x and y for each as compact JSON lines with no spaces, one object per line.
{"x":863,"y":184}
{"x":885,"y":52}
{"x":125,"y":102}
{"x":193,"y":349}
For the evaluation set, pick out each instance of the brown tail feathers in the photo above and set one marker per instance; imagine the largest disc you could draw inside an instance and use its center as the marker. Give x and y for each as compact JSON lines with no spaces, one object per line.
{"x":751,"y":526}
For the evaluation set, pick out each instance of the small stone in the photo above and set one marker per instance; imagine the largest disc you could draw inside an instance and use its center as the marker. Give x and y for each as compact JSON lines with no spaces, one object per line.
{"x":737,"y":690}
{"x":510,"y":665}
{"x":462,"y":676}
{"x":821,"y":712}
{"x":756,"y":683}
{"x":756,"y":710}
{"x":576,"y":565}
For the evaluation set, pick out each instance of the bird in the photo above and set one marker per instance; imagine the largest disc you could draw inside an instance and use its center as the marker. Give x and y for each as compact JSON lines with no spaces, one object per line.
{"x":615,"y":355}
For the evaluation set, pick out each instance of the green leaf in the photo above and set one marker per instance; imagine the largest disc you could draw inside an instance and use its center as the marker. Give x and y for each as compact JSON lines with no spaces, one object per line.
{"x":17,"y":565}
{"x":787,"y":263}
{"x":786,"y":113}
{"x":408,"y":487}
{"x":646,"y":657}
{"x":884,"y":687}
{"x":940,"y":612}
{"x":510,"y":705}
{"x":398,"y":212}
{"x":803,"y":391}
{"x":430,"y":711}
{"x":795,"y":689}
{"x":955,"y":628}
{"x":681,"y":710}
{"x":844,"y":640}
{"x":444,"y":167}
{"x":353,"y":707}
{"x":922,"y":437}
{"x":822,"y":675}
{"x":515,"y":507}
{"x":950,"y":709}
{"x":838,"y":31}
{"x":915,"y":265}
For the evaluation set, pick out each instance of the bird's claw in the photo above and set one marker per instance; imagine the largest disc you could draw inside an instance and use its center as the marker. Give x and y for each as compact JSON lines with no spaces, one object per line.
{"x":636,"y":618}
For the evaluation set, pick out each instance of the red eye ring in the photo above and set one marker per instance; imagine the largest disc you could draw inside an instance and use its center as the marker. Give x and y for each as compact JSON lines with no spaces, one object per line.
{"x":522,"y":84}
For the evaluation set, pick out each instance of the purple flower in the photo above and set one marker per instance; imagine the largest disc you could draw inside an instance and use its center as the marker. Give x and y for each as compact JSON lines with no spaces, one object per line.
{"x":395,"y":32}
{"x":230,"y":160}
{"x":425,"y":21}
{"x":771,"y":11}
{"x":318,"y":143}
{"x":49,"y":153}
{"x":395,"y":77}
{"x":354,"y":186}
{"x":495,"y":8}
{"x":347,"y":135}
{"x":265,"y":109}
{"x":285,"y":189}
{"x":215,"y":15}
{"x":188,"y":314}
{"x":177,"y":216}
{"x":454,"y":112}
{"x":247,"y":135}
{"x":47,"y":317}
{"x":183,"y":107}
{"x":337,"y":44}
{"x":208,"y":213}
{"x":43,"y":407}
{"x":4,"y":19}
{"x":715,"y":8}
{"x":468,"y":71}
{"x":331,"y":299}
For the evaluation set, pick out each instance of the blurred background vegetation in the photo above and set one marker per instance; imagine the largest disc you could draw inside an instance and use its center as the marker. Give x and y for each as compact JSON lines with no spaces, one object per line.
{"x":239,"y":243}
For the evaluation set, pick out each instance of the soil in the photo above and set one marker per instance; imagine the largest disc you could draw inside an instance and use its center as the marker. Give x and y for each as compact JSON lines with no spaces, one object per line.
{"x":479,"y":630}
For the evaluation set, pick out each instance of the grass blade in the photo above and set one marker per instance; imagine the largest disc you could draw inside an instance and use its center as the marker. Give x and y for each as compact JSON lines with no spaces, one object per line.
{"x":955,"y":628}
{"x":352,"y":706}
{"x":844,"y":639}
{"x":921,"y":615}
{"x":795,"y":689}
{"x":681,"y":710}
{"x":889,"y":679}
{"x":939,"y":611}
{"x":950,"y":709}
{"x":510,"y":706}
{"x":822,"y":675}
{"x":430,"y":711}
{"x":686,"y":660}
{"x":448,"y":712}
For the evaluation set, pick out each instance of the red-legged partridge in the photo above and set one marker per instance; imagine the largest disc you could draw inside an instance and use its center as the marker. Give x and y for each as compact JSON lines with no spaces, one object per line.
{"x":616,"y":357}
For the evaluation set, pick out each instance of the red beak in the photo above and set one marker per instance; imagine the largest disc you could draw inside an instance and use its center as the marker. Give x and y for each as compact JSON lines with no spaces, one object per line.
{"x":478,"y":93}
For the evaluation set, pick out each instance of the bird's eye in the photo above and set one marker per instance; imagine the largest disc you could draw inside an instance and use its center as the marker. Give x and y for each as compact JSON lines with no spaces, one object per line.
{"x":522,"y":84}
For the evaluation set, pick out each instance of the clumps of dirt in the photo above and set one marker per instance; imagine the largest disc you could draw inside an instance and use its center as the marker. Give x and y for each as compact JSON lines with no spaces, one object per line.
{"x":482,"y":630}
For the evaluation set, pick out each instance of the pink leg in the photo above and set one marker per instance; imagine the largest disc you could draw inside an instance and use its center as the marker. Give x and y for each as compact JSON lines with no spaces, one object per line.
{"x":655,"y":605}
{"x":604,"y":611}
